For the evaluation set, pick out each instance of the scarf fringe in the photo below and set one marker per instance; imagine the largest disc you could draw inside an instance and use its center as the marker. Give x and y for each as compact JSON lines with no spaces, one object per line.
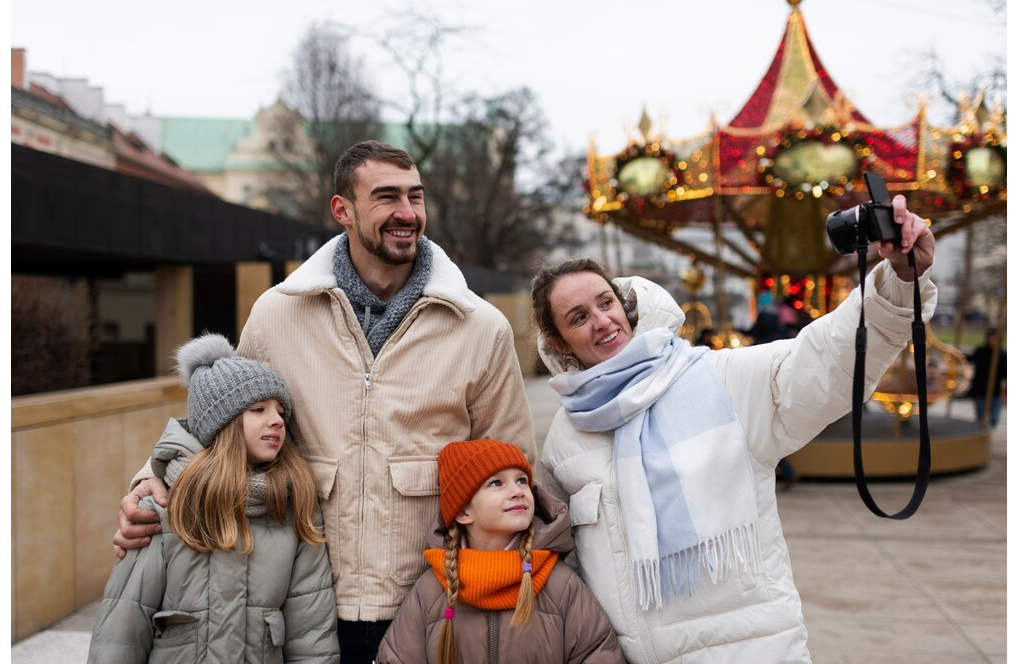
{"x":676,"y":575}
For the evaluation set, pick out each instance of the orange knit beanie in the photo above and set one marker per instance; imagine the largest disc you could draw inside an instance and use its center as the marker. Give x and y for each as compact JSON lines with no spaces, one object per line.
{"x":463,"y":466}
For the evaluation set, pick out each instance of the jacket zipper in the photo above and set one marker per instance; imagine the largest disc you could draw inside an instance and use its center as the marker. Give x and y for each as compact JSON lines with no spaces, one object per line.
{"x":641,"y":624}
{"x":363,"y":441}
{"x":492,"y":637}
{"x":364,"y":412}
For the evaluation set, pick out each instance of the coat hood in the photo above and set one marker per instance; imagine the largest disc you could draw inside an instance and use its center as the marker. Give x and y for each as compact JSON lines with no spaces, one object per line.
{"x":176,"y":442}
{"x":445,"y":282}
{"x":553,"y":529}
{"x":655,"y":308}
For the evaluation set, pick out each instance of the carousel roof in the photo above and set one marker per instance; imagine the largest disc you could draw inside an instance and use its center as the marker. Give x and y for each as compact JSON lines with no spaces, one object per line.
{"x":796,"y":86}
{"x":797,"y":93}
{"x":795,"y":150}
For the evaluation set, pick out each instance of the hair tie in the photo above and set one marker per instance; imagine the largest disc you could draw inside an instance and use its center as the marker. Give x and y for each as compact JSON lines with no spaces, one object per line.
{"x":527,"y":568}
{"x":449,"y":612}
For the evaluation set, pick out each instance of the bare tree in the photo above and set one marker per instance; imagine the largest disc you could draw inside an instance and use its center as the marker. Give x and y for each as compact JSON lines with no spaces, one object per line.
{"x":492,"y":186}
{"x":415,"y":44}
{"x":990,"y":80}
{"x":335,"y":108}
{"x":986,"y":262}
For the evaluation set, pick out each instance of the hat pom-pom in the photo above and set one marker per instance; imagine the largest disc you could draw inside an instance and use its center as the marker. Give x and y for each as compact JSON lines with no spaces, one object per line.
{"x":201,"y":352}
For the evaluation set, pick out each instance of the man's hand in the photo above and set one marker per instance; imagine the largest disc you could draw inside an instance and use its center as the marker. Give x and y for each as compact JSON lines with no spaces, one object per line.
{"x":914,"y":234}
{"x":137,"y":525}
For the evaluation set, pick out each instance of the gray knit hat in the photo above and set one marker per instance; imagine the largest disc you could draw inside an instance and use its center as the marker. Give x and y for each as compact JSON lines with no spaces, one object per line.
{"x":221,"y":385}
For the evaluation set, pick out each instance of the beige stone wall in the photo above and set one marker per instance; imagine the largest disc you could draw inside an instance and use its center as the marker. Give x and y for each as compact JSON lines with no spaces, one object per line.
{"x":517,"y":309}
{"x":252,"y":280}
{"x":73,"y":454}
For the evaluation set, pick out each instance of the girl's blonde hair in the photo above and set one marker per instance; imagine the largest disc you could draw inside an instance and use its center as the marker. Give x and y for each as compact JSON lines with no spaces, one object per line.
{"x":524,"y":612}
{"x":208,"y":500}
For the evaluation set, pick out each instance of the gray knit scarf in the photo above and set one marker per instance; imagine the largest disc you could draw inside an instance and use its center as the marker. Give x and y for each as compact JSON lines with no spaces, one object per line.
{"x":256,"y":485}
{"x":378,"y":320}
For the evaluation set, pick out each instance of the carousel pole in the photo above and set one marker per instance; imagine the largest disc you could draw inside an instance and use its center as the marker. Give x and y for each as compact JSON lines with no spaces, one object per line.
{"x":719,"y":211}
{"x":991,"y":381}
{"x":618,"y":251}
{"x":963,"y":296}
{"x":601,"y":220}
{"x":719,"y":270}
{"x":604,"y":243}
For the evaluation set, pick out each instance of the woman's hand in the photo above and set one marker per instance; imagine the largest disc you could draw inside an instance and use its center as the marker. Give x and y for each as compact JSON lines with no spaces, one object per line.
{"x":915,"y":234}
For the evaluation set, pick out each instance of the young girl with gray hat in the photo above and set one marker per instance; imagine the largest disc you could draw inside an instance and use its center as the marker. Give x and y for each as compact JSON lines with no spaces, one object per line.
{"x":239,"y":572}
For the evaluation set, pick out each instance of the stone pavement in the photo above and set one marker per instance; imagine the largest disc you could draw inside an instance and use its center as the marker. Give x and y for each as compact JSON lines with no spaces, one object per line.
{"x":929,"y":590}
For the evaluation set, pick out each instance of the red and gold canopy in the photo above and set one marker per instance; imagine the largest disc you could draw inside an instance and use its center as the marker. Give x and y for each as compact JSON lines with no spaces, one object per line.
{"x":794,"y":152}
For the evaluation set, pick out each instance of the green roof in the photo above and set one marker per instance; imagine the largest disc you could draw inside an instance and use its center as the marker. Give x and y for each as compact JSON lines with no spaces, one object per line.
{"x":202,"y":144}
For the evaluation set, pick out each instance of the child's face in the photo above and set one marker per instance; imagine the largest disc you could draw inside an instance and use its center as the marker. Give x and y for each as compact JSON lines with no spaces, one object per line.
{"x":264,"y":431}
{"x":502,"y":507}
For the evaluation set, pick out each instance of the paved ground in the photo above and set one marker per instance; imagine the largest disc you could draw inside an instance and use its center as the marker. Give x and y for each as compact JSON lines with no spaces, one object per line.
{"x":930,"y":590}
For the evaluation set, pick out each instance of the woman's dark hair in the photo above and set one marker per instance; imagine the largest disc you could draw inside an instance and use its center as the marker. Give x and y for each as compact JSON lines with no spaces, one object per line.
{"x":546,"y":276}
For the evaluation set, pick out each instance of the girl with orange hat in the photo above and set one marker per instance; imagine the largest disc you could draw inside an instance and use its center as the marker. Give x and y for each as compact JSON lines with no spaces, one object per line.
{"x":495,"y":565}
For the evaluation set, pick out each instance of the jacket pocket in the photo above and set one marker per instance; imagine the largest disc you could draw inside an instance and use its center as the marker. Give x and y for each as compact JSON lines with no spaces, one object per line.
{"x":175,"y":637}
{"x":584,"y":503}
{"x":324,"y":471}
{"x":273,"y":636}
{"x":413,"y":506}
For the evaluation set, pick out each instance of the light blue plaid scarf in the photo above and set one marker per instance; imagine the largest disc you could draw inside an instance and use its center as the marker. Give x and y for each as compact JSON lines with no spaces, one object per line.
{"x":682,"y":465}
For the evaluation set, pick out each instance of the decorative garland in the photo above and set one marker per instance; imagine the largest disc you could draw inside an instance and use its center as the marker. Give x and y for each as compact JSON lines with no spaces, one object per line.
{"x":674,"y":183}
{"x":957,"y":175}
{"x":821,"y":134}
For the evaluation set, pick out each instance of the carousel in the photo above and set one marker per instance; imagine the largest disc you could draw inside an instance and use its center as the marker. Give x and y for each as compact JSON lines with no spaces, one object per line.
{"x":764,"y":183}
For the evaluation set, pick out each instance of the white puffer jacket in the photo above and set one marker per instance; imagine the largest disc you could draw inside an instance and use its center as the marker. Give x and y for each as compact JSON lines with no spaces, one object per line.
{"x":784,"y":394}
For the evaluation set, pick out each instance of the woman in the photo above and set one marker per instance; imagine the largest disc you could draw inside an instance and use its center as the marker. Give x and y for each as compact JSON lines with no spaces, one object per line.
{"x":666,"y":452}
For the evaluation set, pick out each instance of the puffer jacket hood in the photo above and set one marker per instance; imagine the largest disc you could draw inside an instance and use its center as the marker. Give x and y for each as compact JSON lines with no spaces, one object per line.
{"x":655,"y":308}
{"x":176,"y":442}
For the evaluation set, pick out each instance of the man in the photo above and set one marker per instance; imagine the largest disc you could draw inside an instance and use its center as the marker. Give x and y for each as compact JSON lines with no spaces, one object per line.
{"x":982,"y":385}
{"x":388,"y":356}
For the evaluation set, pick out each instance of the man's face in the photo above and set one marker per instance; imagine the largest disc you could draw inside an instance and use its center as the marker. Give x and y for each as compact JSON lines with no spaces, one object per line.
{"x":386,"y":217}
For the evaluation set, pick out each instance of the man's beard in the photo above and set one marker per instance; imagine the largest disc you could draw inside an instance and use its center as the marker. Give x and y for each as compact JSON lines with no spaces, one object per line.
{"x":386,"y":254}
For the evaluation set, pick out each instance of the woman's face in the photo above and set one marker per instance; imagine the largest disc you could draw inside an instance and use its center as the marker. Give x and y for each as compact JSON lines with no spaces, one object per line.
{"x":589,"y":318}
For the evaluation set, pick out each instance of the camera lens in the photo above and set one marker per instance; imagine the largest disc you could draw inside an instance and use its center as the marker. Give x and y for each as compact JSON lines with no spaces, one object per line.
{"x":842,"y":229}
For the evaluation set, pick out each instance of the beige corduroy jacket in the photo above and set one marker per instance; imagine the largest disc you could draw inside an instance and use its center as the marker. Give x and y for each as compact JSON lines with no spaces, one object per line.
{"x":371,"y":427}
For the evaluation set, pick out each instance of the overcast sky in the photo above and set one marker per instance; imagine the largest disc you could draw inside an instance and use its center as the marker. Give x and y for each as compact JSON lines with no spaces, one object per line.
{"x":593,"y":65}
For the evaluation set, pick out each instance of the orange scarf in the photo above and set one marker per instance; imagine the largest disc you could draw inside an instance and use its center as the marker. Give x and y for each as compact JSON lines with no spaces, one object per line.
{"x":490,"y":580}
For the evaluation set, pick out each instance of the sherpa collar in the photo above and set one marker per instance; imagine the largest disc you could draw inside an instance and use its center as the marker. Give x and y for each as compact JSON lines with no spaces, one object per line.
{"x":316,"y":275}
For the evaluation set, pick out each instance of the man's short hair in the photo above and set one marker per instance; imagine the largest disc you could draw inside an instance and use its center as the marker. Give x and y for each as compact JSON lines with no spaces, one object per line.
{"x":356,"y":155}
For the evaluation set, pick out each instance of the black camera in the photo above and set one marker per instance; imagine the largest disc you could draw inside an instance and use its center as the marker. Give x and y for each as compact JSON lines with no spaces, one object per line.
{"x":874,"y":221}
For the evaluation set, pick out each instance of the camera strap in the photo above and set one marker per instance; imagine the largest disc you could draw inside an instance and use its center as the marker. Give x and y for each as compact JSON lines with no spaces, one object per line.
{"x":919,"y":348}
